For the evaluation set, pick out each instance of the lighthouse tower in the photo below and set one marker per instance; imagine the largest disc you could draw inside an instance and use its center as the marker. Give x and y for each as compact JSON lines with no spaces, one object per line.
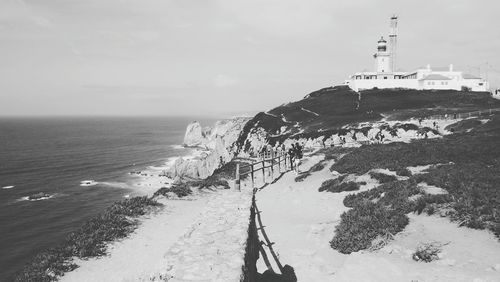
{"x":393,"y":40}
{"x":382,"y":57}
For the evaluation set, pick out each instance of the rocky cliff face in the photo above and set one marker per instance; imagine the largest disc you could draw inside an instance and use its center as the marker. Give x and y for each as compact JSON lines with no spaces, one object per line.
{"x":214,"y":145}
{"x":194,"y":135}
{"x":330,"y":116}
{"x":340,"y":116}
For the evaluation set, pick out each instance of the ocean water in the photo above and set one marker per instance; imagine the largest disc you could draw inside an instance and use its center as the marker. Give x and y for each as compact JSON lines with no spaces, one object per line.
{"x":53,"y":156}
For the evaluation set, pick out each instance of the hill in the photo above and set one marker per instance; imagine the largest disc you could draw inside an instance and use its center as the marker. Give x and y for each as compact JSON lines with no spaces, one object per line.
{"x":326,"y":111}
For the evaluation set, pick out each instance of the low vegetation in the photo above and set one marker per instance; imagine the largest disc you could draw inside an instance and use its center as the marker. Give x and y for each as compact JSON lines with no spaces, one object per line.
{"x":361,"y":225}
{"x":428,"y":252}
{"x":180,"y":190}
{"x":337,"y":185}
{"x":470,"y":176}
{"x":335,"y":107}
{"x":382,"y":177}
{"x":90,"y":240}
{"x":403,"y":171}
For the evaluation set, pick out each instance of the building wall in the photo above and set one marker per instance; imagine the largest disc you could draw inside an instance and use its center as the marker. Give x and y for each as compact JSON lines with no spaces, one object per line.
{"x":440,"y":84}
{"x":475,"y":84}
{"x":383,"y":62}
{"x":361,"y":84}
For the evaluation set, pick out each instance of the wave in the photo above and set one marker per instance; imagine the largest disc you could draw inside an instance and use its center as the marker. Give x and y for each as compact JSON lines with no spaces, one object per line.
{"x":88,"y":183}
{"x":8,"y":187}
{"x":37,"y":197}
{"x":177,"y":147}
{"x":115,"y":184}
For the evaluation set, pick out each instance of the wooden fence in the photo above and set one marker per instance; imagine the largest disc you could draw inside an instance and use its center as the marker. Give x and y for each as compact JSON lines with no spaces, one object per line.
{"x":269,"y":163}
{"x":453,"y":115}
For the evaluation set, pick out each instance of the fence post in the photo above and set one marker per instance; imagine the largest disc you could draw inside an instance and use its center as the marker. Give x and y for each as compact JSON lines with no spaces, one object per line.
{"x":272,"y":164}
{"x":237,"y":181}
{"x":251,"y":166}
{"x":279,"y":162}
{"x":284,"y":157}
{"x":263,"y":171}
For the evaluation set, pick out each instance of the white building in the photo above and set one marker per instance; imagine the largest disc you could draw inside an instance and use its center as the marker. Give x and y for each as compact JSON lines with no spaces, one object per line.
{"x":385,"y":75}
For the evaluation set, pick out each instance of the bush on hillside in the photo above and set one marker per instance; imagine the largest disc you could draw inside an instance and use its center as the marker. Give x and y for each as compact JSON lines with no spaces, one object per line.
{"x":317,"y":167}
{"x":403,"y":171}
{"x":474,"y":192}
{"x":90,"y":240}
{"x":382,"y":177}
{"x":47,"y":266}
{"x":336,"y":186}
{"x":429,"y":203}
{"x":180,"y":190}
{"x":301,"y":177}
{"x":362,"y":224}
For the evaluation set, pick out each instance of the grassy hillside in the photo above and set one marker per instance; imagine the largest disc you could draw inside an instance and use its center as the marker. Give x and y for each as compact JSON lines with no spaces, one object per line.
{"x":466,"y":165}
{"x":324,"y":111}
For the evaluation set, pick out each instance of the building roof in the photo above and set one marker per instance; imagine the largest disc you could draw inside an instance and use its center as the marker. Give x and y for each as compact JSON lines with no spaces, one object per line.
{"x":469,"y":76}
{"x":435,"y":77}
{"x":440,"y":68}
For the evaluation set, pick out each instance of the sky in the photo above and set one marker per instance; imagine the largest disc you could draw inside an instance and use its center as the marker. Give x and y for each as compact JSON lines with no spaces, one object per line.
{"x":220,"y":57}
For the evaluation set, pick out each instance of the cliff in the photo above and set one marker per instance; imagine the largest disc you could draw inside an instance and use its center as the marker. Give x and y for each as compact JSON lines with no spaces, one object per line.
{"x":329,"y":116}
{"x":334,"y":113}
{"x":215,"y":145}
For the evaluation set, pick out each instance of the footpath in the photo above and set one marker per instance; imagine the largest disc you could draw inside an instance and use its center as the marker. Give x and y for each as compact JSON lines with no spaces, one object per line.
{"x":213,"y":248}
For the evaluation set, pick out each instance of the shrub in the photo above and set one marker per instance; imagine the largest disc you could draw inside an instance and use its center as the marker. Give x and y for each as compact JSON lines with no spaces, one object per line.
{"x":403,"y":171}
{"x":473,"y":192}
{"x":337,"y":186}
{"x":133,"y":207}
{"x":362,"y":224}
{"x":428,"y":252}
{"x":302,"y":177}
{"x":88,"y":241}
{"x":47,"y":266}
{"x":181,"y":190}
{"x":352,"y":200}
{"x":428,"y":203}
{"x":382,"y":177}
{"x":407,"y":126}
{"x":317,"y":167}
{"x":209,"y":182}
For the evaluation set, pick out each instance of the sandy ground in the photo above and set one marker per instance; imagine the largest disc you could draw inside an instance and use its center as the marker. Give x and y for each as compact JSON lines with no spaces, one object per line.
{"x":140,"y":253}
{"x":302,"y":221}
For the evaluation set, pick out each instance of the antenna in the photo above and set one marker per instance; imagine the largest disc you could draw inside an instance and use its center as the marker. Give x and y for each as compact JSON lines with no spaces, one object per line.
{"x":393,"y":40}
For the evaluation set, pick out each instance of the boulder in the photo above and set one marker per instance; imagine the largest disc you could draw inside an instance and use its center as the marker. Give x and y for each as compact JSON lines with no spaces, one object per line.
{"x":194,"y":135}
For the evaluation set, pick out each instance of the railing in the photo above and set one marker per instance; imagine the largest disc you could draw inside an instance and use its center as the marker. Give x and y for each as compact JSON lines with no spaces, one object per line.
{"x":465,"y":114}
{"x":269,"y":162}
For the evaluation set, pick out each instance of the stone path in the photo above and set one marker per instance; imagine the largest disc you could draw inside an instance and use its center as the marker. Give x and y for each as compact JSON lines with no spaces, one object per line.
{"x":213,"y":248}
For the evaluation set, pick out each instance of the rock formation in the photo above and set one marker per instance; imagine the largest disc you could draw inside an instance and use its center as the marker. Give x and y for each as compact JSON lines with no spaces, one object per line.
{"x":215,"y":145}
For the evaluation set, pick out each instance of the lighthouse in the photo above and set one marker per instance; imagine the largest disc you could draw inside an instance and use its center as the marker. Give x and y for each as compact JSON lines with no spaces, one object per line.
{"x":382,"y":57}
{"x":393,"y":41}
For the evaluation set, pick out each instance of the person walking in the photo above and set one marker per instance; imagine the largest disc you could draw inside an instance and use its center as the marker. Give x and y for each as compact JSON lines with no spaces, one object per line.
{"x":298,"y":157}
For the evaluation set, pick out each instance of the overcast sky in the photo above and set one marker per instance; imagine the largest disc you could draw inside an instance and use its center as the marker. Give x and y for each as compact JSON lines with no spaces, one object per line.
{"x":187,"y":57}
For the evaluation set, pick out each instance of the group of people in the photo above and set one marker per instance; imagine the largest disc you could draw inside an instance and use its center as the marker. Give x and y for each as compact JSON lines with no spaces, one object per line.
{"x":295,"y":153}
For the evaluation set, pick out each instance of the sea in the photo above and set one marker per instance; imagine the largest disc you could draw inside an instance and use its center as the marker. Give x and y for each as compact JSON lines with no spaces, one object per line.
{"x":54,"y":155}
